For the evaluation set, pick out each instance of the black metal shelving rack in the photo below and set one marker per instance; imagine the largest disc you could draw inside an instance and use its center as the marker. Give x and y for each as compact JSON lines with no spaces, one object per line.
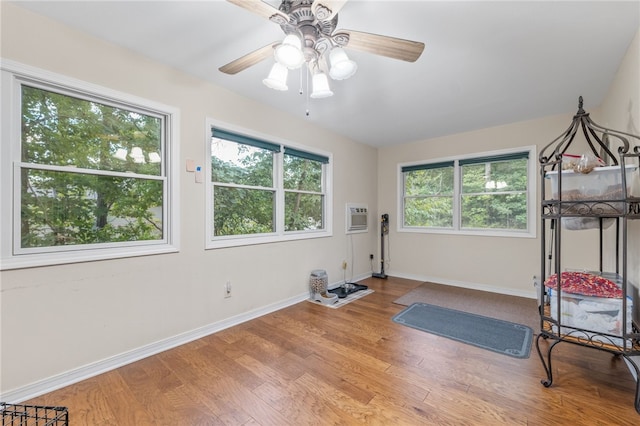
{"x":33,"y":415}
{"x":619,"y":208}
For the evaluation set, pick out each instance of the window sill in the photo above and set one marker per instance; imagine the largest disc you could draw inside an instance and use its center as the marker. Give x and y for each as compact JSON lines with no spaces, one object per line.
{"x":63,"y":258}
{"x":223,"y":242}
{"x":469,"y":232}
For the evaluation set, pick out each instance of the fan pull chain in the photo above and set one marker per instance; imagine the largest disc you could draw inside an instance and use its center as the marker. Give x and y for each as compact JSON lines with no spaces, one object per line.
{"x":307,"y":112}
{"x":301,"y":68}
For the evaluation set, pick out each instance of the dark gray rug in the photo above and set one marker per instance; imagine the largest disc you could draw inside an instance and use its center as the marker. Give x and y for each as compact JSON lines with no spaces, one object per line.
{"x":516,"y":309}
{"x":496,"y":335}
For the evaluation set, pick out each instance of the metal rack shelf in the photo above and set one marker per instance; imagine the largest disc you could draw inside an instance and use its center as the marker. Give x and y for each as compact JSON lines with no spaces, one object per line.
{"x":27,"y":415}
{"x":613,"y":207}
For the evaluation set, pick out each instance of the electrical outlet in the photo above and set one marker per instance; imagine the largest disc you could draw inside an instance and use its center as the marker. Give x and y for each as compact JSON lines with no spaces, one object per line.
{"x":227,"y":289}
{"x":344,"y":264}
{"x":371,"y":257}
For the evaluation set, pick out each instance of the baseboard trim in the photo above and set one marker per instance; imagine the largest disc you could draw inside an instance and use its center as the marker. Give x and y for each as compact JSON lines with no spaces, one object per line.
{"x":67,"y":378}
{"x":469,"y":285}
{"x":93,"y":369}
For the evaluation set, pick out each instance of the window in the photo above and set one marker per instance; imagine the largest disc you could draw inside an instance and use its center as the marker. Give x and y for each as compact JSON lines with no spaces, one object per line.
{"x":88,"y":174}
{"x":262,"y":191}
{"x":487,"y":194}
{"x":303,"y":190}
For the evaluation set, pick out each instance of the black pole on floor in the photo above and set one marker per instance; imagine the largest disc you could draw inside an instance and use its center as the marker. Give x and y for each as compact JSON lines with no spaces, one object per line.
{"x":384,"y":229}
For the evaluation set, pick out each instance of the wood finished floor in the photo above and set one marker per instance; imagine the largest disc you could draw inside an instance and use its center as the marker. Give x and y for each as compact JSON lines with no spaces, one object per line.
{"x":311,"y":365}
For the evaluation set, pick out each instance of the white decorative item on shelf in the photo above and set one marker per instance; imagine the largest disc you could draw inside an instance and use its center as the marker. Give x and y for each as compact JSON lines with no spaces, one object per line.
{"x":593,"y":315}
{"x":580,"y":223}
{"x":602,"y":183}
{"x":601,"y":187}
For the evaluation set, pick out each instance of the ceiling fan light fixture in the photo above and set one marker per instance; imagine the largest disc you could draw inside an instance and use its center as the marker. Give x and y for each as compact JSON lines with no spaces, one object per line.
{"x":341,"y":66}
{"x":321,"y":87}
{"x":154,"y":157}
{"x":137,"y":155}
{"x":289,"y":52}
{"x":121,"y":154}
{"x":277,"y":78}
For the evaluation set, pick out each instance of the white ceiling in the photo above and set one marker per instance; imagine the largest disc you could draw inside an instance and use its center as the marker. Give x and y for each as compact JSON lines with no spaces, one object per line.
{"x":484,"y":64}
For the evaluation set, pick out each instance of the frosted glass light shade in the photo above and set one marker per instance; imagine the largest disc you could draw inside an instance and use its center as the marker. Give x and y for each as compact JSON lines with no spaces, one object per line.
{"x":341,"y":66}
{"x":289,"y":53}
{"x":121,"y":154}
{"x":137,"y":155}
{"x":320,"y":86}
{"x":277,"y":79}
{"x":154,"y":157}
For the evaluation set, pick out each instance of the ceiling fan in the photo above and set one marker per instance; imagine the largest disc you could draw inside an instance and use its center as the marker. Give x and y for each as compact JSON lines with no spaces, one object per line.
{"x":311,"y":37}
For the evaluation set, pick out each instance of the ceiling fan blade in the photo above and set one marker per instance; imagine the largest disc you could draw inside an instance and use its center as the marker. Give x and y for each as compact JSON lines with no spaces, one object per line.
{"x":325,"y":10}
{"x":263,"y":9}
{"x":249,"y":59}
{"x":397,"y":48}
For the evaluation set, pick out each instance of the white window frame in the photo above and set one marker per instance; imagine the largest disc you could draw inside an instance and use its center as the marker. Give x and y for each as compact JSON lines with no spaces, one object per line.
{"x":280,"y":234}
{"x":14,"y":74}
{"x":530,"y":232}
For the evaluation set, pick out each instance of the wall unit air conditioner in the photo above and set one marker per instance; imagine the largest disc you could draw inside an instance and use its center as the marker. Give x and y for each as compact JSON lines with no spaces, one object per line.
{"x":357,"y":218}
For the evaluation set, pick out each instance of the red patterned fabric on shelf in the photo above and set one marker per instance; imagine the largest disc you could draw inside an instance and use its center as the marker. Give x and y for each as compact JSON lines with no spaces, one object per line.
{"x":585,"y":284}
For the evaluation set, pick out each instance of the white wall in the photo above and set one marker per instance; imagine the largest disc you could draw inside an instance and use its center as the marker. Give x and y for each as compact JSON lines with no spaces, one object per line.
{"x":59,"y":323}
{"x":621,"y":111}
{"x":505,"y":265}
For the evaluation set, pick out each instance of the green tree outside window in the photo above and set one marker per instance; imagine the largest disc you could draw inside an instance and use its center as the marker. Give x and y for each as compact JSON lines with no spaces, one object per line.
{"x":91,"y":173}
{"x":492,"y":194}
{"x":245,"y":178}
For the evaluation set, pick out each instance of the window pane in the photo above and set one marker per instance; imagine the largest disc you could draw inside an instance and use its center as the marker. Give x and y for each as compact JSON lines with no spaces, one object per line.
{"x":302,"y":174}
{"x":496,"y":211}
{"x":429,"y":182}
{"x":494,"y":195}
{"x":495,"y":177}
{"x":303,"y":211}
{"x":62,"y":130}
{"x":428,"y":212}
{"x":241,"y":164}
{"x":62,"y":208}
{"x":239,"y":211}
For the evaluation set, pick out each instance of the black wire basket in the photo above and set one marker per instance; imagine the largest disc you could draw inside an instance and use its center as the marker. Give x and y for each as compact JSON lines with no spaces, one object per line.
{"x":33,"y":415}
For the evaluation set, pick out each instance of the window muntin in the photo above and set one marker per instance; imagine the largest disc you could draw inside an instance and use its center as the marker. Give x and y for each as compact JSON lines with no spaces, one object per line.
{"x":295,"y":179}
{"x":483,"y":194}
{"x":85,"y":172}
